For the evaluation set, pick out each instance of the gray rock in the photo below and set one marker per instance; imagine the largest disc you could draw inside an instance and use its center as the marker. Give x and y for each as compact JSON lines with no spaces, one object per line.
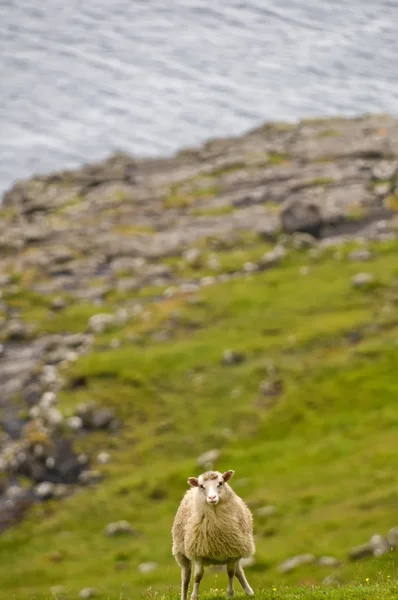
{"x":14,"y":491}
{"x":248,"y":562}
{"x":361,"y":551}
{"x":271,"y":387}
{"x":88,"y":592}
{"x":47,"y":400}
{"x":362,"y":280}
{"x":90,"y":476}
{"x":95,"y":417}
{"x":17,"y":331}
{"x":302,"y":216}
{"x":58,"y":303}
{"x":380,"y":545}
{"x":44,"y":490}
{"x":273,"y":257}
{"x":103,"y":458}
{"x":328,"y":561}
{"x":230,"y":357}
{"x":193,"y":257}
{"x":74,"y":423}
{"x":302,"y":241}
{"x":385,"y":169}
{"x":296,"y":561}
{"x":60,"y":490}
{"x":360,"y":255}
{"x":392,"y":537}
{"x":58,"y":590}
{"x":100,"y":322}
{"x":147,"y":567}
{"x":119,"y":528}
{"x":265,"y":511}
{"x":209,"y":458}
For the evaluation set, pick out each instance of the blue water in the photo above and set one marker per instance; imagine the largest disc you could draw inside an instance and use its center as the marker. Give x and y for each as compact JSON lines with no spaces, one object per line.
{"x":81,"y":78}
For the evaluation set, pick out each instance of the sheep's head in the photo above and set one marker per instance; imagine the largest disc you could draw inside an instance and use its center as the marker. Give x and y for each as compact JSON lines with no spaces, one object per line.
{"x":211,"y":485}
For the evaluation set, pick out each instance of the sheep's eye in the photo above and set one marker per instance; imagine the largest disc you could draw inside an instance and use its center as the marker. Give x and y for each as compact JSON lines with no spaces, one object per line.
{"x":220,"y":483}
{"x":202,"y":487}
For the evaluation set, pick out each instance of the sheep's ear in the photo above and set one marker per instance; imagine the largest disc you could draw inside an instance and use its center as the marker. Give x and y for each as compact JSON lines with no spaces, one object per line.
{"x":228,"y":475}
{"x":193,"y":481}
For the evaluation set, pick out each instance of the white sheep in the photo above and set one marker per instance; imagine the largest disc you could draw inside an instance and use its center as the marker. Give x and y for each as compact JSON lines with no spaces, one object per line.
{"x":212,"y":526}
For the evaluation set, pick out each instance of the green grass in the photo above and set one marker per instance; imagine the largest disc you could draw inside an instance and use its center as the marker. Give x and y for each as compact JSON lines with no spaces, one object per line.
{"x":324,"y":453}
{"x":277,"y":158}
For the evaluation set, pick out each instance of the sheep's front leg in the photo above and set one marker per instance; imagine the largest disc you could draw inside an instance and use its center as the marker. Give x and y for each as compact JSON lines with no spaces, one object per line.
{"x":185,"y":577}
{"x":243,"y":581}
{"x":197,"y":577}
{"x":231,"y":570}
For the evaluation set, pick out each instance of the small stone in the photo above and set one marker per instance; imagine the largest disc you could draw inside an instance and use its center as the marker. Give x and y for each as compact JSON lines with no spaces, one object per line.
{"x":265,"y":511}
{"x":60,"y":490}
{"x":230,"y":357}
{"x":214,"y":263}
{"x":359,"y":255}
{"x":58,"y":590}
{"x":296,"y":561}
{"x":380,"y":545}
{"x":303,"y":241}
{"x":209,"y":458}
{"x":54,"y":417}
{"x":208,"y":280}
{"x":88,"y":477}
{"x":88,"y":593}
{"x":392,"y":537}
{"x":193,"y":257}
{"x":361,"y":551}
{"x":188,"y":288}
{"x":147,"y":567}
{"x":248,"y":562}
{"x":304,"y":217}
{"x":103,"y":458}
{"x":100,"y":322}
{"x":362,"y":280}
{"x":385,"y":170}
{"x":50,"y":462}
{"x":14,"y":491}
{"x":119,"y":528}
{"x":58,"y":303}
{"x":16,"y":331}
{"x":44,"y":490}
{"x":250,"y":267}
{"x":49,"y":375}
{"x":74,"y":423}
{"x":271,"y":388}
{"x":273,"y":258}
{"x":328,"y":561}
{"x":304,"y":270}
{"x":47,"y":400}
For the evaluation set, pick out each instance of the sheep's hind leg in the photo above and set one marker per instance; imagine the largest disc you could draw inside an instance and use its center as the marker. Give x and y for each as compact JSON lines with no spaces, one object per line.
{"x":240,"y":575}
{"x":186,"y":570}
{"x":231,"y":570}
{"x":197,"y":577}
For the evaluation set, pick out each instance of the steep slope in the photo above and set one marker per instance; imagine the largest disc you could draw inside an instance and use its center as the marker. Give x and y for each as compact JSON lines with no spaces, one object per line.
{"x":221,"y":332}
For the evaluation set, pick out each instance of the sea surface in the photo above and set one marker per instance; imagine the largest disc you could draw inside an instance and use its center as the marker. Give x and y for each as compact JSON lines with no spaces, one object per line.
{"x":82,"y":78}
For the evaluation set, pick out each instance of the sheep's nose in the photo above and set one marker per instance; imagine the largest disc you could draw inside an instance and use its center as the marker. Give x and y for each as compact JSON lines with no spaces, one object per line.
{"x":212,"y":498}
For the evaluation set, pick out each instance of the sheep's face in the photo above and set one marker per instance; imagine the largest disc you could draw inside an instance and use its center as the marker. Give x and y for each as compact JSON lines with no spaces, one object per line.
{"x":211,"y":485}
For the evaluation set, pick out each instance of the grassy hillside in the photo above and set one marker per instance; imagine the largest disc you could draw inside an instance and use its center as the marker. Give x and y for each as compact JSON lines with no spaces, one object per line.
{"x":323,"y":452}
